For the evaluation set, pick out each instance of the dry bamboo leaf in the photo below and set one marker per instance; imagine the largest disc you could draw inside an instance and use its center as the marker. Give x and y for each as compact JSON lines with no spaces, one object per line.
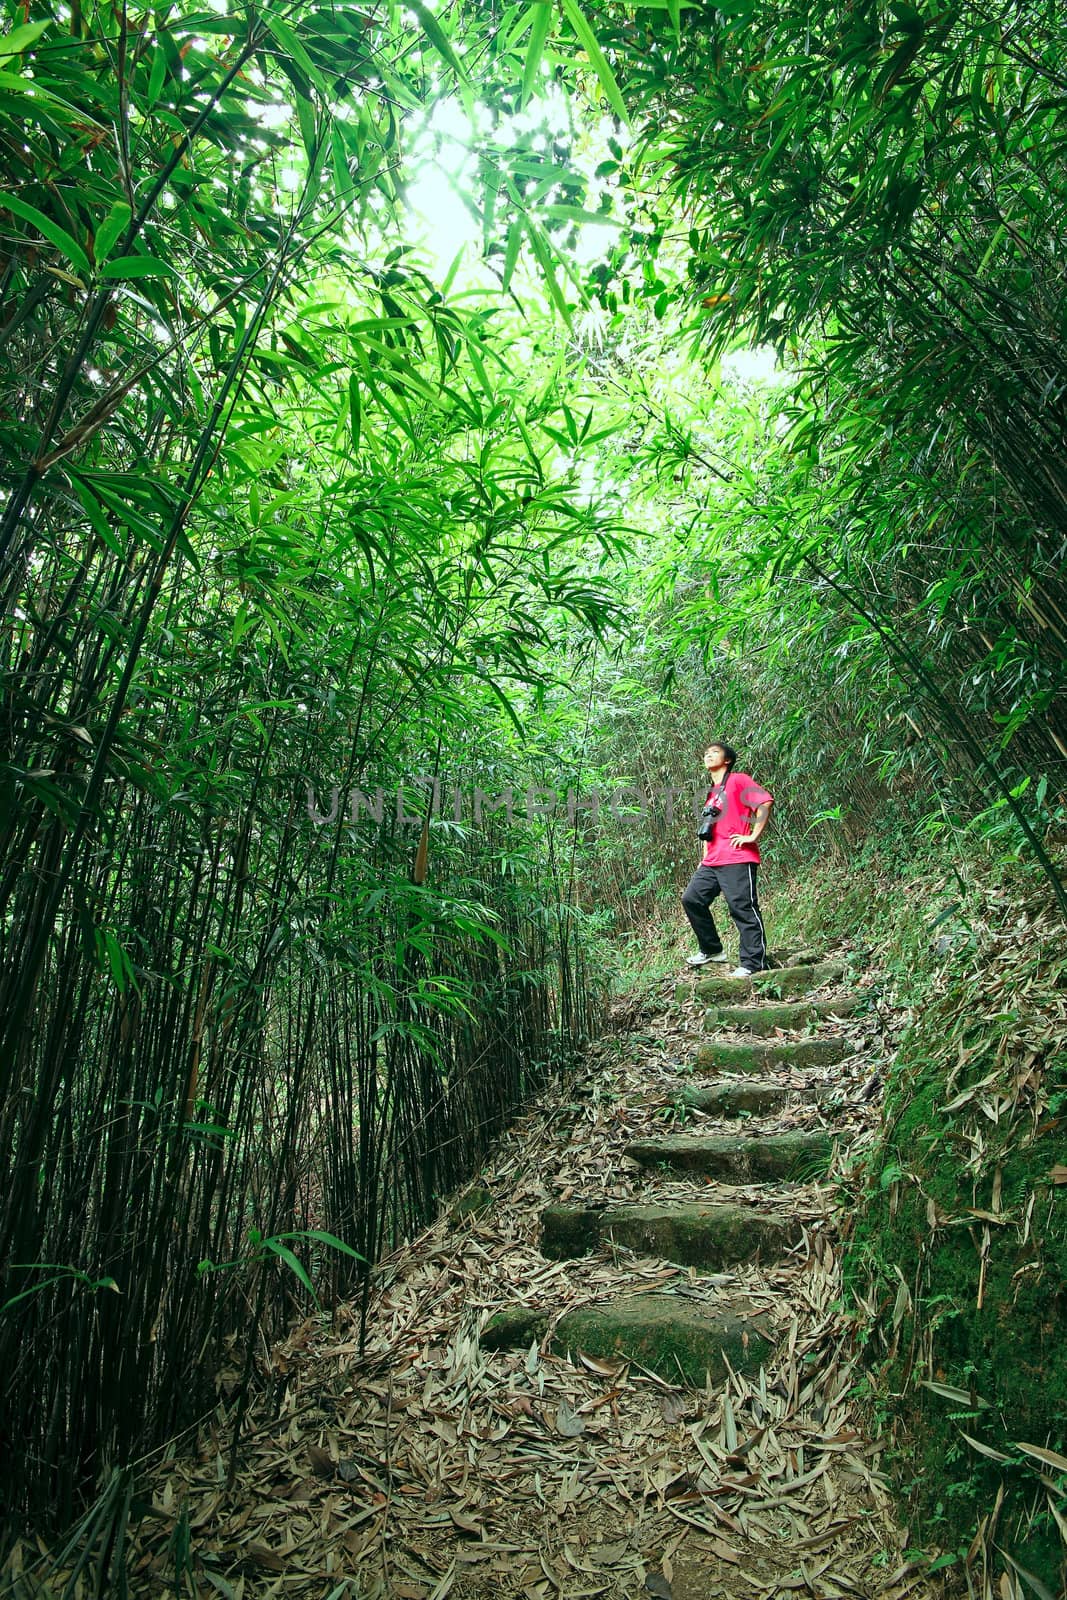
{"x":1058,"y":1516}
{"x":567,"y":1424}
{"x":984,"y":1449}
{"x":606,"y":1369}
{"x":1051,"y":1458}
{"x":1033,"y":1582}
{"x":320,"y":1461}
{"x":466,"y":1524}
{"x":433,"y":1382}
{"x":832,"y":1531}
{"x":673,"y":1407}
{"x":728,"y":1424}
{"x":948,"y":1391}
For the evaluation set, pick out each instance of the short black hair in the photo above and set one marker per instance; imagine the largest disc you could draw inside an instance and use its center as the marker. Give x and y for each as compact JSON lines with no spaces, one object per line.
{"x":727,"y":749}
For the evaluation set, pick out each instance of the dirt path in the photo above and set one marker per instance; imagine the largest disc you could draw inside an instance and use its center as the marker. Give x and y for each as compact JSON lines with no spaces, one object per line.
{"x":432,"y":1466}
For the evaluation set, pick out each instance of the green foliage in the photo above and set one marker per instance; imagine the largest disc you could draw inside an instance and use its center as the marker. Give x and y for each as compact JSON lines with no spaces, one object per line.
{"x":878,"y":193}
{"x":277,"y":523}
{"x":302,"y":544}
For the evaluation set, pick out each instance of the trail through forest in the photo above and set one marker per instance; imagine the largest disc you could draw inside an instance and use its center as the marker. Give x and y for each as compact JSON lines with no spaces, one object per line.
{"x":429,"y":1464}
{"x":422,"y":428}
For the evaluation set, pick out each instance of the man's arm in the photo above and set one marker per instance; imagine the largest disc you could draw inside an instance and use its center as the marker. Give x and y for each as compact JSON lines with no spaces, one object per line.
{"x":739,"y":840}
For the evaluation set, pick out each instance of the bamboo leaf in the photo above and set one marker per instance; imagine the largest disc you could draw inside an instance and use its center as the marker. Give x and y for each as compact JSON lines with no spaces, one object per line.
{"x":295,"y":1265}
{"x":290,"y":43}
{"x":565,"y":213}
{"x":355,"y":410}
{"x":133,"y":267}
{"x":110,"y":230}
{"x":948,"y":1391}
{"x":157,"y":76}
{"x":545,"y":254}
{"x":339,"y":156}
{"x":588,"y":40}
{"x":438,"y":38}
{"x":21,"y":38}
{"x":516,"y":229}
{"x":541,"y":13}
{"x":323,"y":1237}
{"x":64,"y":242}
{"x":1051,"y":1458}
{"x":984,"y":1449}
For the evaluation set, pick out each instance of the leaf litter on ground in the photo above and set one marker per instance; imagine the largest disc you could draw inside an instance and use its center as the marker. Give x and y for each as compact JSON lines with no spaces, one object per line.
{"x":425,"y":1466}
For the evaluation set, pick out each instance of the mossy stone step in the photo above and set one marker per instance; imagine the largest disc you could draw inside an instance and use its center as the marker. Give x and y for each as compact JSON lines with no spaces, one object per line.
{"x":690,"y":1235}
{"x":722,"y":1055}
{"x":798,"y":957}
{"x":779,"y":960}
{"x":778,"y":981}
{"x":672,"y":1336}
{"x":773,"y":1158}
{"x":766,"y":1019}
{"x":738,"y":1097}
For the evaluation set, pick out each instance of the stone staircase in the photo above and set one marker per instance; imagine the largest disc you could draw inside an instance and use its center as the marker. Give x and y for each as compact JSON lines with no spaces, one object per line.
{"x":786,"y":1014}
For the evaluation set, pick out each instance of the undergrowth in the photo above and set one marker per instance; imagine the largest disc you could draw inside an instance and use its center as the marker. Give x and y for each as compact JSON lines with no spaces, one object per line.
{"x":956,"y":1257}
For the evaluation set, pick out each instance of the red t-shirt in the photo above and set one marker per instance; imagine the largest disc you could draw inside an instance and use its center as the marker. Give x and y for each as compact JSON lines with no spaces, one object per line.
{"x":743,"y":794}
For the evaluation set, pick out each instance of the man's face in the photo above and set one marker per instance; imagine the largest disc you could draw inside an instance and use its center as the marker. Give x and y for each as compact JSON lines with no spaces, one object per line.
{"x":714,"y":756}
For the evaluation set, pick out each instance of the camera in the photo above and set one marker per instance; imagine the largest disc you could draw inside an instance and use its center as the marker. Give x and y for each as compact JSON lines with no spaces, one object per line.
{"x":708,"y":818}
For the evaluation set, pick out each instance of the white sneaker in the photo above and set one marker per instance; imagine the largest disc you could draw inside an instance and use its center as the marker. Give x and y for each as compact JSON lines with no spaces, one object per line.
{"x":701,"y":960}
{"x":741,"y":972}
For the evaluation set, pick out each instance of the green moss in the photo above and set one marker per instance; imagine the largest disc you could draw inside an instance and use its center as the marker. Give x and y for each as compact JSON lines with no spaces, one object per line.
{"x":668,"y":1335}
{"x":692,"y":1235}
{"x":761,"y":1019}
{"x":986,"y":1002}
{"x":779,"y":982}
{"x":568,"y":1231}
{"x":737,"y":1097}
{"x":515,"y":1328}
{"x":474,"y":1203}
{"x":769,"y":1056}
{"x":772,"y":1158}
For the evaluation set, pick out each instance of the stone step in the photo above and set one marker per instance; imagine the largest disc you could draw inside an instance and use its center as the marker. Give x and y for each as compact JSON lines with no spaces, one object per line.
{"x":777,"y":981}
{"x":766,"y":1019}
{"x":738,"y":1097}
{"x":730,"y":1158}
{"x":797,"y":957}
{"x":673,"y":1336}
{"x":690,"y":1235}
{"x":766,"y":1055}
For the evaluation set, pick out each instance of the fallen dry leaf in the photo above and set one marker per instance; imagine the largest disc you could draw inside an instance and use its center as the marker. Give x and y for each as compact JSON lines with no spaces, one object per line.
{"x":570,"y":1426}
{"x":1051,"y":1458}
{"x":320,"y":1461}
{"x":466,"y":1524}
{"x":475,"y":1475}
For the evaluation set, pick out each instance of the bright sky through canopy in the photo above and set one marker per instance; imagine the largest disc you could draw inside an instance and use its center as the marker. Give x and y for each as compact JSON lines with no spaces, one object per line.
{"x":445,"y":159}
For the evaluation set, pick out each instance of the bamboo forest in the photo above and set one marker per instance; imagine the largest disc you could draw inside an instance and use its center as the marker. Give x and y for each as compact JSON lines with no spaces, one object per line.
{"x":443,"y":444}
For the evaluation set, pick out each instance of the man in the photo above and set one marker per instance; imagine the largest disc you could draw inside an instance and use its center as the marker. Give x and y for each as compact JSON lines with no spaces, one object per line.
{"x":731,"y":858}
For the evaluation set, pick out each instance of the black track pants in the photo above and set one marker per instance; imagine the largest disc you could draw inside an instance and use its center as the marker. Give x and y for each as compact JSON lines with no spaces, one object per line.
{"x":737,"y":885}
